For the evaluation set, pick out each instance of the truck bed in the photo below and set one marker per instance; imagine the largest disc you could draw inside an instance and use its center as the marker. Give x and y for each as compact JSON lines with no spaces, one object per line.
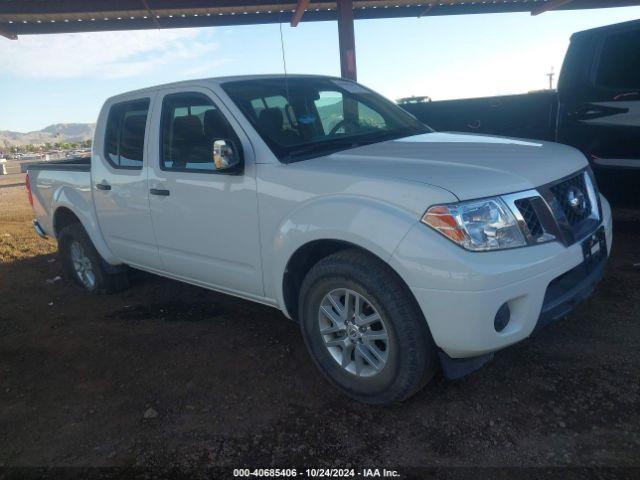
{"x":80,"y":164}
{"x":66,"y":181}
{"x":530,"y":115}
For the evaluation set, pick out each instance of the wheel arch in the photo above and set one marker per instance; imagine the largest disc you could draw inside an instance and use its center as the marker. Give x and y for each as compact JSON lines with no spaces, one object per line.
{"x":64,"y":214}
{"x":324,"y":225}
{"x":312,"y":252}
{"x":63,"y":217}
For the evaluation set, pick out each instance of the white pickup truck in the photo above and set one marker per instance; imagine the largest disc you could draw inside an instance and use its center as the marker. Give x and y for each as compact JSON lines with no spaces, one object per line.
{"x":399,"y":250}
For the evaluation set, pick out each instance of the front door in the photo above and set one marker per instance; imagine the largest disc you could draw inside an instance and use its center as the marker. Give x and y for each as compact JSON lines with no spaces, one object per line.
{"x":119,"y":183}
{"x":206,"y":223}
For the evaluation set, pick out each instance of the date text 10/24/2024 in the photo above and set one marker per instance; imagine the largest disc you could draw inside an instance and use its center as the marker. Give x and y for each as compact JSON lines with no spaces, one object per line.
{"x":316,"y":473}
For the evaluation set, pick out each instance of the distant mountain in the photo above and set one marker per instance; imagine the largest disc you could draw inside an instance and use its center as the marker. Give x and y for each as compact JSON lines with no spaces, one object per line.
{"x":59,"y":132}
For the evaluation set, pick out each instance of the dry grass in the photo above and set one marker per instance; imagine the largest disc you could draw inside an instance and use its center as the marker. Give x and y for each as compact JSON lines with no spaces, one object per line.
{"x":17,"y":238}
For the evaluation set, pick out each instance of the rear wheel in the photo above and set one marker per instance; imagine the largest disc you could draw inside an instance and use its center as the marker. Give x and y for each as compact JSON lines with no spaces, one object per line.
{"x":82,"y":264}
{"x":364,"y":330}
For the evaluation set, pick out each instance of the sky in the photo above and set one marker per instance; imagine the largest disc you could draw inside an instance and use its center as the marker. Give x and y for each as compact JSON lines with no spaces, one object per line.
{"x":64,"y":78}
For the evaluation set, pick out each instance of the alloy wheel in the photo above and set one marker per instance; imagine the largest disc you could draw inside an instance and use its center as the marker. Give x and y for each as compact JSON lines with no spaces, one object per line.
{"x":354,"y":333}
{"x":82,"y":265}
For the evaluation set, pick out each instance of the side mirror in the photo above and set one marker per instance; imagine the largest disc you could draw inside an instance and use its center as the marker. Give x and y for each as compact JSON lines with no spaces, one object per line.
{"x":226,"y":156}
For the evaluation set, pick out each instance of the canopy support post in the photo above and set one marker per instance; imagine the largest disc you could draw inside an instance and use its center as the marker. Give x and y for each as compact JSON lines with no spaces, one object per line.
{"x":346,"y":39}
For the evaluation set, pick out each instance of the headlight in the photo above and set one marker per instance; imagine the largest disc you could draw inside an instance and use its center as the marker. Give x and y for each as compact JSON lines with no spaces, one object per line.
{"x":477,"y":225}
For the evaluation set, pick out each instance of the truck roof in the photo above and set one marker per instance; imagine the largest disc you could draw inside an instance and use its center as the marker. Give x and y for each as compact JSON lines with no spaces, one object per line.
{"x":606,"y":29}
{"x":216,"y":80}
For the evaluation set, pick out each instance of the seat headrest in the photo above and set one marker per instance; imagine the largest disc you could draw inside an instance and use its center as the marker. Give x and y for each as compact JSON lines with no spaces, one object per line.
{"x":134,"y":125}
{"x":215,"y":126}
{"x":271,"y":119}
{"x":132,"y":141}
{"x":187,"y":128}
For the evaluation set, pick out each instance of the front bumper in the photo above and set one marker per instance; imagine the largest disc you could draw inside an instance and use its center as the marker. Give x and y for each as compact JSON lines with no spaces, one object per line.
{"x":568,"y":290}
{"x":562,"y":295}
{"x":460,"y":292}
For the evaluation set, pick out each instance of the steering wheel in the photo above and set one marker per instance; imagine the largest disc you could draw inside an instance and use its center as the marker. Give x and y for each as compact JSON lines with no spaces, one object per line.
{"x":340,"y":124}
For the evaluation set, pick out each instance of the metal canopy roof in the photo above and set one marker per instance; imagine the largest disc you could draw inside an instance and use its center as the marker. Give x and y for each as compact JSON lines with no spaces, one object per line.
{"x":21,"y":17}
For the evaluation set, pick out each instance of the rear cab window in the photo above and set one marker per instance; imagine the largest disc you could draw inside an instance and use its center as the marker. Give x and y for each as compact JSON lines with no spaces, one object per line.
{"x":619,"y":65}
{"x":125,"y":132}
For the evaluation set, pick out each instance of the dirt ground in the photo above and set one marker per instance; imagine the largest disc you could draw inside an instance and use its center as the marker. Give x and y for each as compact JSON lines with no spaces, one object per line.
{"x":170,"y":374}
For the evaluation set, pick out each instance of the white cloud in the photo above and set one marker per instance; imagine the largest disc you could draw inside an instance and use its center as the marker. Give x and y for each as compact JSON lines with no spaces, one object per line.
{"x":207,"y":68}
{"x":103,"y":54}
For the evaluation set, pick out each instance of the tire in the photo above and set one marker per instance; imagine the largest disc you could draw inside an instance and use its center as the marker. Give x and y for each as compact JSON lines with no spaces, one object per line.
{"x":402,"y":364}
{"x":98,"y":277}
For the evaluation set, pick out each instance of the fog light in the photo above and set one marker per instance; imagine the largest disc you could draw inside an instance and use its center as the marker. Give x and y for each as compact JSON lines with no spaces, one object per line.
{"x":502,"y":317}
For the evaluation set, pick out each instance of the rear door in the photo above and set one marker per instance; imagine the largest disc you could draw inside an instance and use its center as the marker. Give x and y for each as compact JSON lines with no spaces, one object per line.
{"x":206,"y":223}
{"x":600,"y":100}
{"x":119,"y":182}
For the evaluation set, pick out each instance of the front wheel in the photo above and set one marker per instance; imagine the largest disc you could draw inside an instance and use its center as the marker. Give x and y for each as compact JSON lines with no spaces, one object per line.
{"x":364,"y":330}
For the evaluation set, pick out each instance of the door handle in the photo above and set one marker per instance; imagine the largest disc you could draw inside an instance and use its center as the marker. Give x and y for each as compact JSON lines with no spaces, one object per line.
{"x":103,"y":186}
{"x":586,"y":111}
{"x":160,"y":192}
{"x":623,"y":96}
{"x":594,"y":112}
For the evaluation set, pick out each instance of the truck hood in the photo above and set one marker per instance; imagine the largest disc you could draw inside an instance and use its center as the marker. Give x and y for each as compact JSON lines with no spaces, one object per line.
{"x":469,"y":166}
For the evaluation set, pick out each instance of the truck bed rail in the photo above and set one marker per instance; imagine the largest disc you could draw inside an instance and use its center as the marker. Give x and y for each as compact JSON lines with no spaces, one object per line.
{"x":80,"y":164}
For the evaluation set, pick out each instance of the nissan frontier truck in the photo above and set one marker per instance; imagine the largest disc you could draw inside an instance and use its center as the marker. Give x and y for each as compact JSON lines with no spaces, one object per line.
{"x":399,"y":250}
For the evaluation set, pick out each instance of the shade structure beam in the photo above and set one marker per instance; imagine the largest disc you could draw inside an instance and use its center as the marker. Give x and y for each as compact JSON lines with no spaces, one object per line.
{"x":32,"y":17}
{"x":550,"y":5}
{"x":301,"y":7}
{"x":8,"y":34}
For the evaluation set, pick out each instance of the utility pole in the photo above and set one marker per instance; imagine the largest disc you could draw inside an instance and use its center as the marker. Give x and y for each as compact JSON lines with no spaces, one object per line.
{"x":550,"y":75}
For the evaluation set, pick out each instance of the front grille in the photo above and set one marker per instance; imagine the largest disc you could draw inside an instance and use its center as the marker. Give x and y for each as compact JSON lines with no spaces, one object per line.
{"x":573,"y":190}
{"x":566,"y":210}
{"x":530,"y":217}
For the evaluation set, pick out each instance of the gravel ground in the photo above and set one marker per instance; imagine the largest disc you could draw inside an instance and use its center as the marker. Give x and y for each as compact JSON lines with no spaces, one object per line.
{"x":169,"y":374}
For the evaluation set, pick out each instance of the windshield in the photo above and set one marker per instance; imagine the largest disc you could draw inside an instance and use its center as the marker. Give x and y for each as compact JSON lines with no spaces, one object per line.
{"x":305,"y":117}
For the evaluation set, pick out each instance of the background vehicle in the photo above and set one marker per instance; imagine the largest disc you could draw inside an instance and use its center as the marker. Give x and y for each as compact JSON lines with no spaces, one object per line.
{"x":398,"y":250}
{"x":596,"y":108}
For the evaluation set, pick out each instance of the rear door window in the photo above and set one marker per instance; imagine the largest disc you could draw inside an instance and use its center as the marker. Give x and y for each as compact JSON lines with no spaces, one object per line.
{"x":124,"y":139}
{"x":619,"y":66}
